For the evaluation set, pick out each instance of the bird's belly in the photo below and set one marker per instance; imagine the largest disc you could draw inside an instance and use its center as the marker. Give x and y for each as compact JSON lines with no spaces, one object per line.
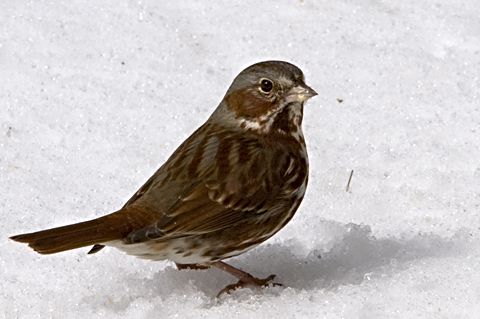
{"x":174,"y":250}
{"x":180,"y":250}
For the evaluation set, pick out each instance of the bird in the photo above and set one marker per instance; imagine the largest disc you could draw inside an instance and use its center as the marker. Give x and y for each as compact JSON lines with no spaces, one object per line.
{"x":234,"y":183}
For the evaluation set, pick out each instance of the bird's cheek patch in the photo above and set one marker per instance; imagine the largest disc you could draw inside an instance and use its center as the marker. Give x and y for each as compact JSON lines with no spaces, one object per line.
{"x":247,"y":103}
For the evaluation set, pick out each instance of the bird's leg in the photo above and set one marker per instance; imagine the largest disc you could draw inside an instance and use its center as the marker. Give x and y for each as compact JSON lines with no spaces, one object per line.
{"x":244,"y":278}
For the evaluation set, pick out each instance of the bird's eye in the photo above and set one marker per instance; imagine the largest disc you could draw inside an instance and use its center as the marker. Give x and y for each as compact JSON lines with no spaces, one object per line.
{"x":266,"y":85}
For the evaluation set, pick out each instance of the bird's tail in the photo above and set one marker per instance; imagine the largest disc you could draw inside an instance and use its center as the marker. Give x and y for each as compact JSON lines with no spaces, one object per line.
{"x":96,"y":231}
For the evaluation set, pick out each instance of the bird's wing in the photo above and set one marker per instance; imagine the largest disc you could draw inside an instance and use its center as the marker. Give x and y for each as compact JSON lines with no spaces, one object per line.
{"x":142,"y":190}
{"x":248,"y":191}
{"x":177,"y":159}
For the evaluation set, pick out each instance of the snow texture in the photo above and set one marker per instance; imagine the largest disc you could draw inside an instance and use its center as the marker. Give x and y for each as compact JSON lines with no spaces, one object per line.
{"x":95,"y":95}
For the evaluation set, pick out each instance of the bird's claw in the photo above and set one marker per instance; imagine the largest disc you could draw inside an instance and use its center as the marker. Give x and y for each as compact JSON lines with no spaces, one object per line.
{"x":249,"y":282}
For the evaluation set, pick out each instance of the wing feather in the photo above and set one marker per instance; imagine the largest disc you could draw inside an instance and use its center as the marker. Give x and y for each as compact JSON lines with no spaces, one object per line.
{"x":222,"y":197}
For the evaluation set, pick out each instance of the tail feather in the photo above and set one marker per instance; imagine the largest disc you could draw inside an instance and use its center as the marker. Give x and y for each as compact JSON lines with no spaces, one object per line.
{"x":74,"y":236}
{"x":93,"y":232}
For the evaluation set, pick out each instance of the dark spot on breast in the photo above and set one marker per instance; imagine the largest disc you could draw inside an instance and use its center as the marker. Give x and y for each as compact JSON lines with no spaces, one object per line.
{"x":282,"y":121}
{"x":194,"y":245}
{"x":299,"y":180}
{"x":210,"y":254}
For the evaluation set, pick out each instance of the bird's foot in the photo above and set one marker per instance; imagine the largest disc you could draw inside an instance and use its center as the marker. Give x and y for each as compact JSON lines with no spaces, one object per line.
{"x":249,"y":282}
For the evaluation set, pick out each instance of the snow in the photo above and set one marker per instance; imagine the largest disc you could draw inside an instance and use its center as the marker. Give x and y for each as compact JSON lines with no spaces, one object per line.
{"x":94,"y":97}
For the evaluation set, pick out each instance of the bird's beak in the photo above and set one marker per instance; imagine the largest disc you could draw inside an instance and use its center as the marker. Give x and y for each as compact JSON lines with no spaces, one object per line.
{"x":300,"y":93}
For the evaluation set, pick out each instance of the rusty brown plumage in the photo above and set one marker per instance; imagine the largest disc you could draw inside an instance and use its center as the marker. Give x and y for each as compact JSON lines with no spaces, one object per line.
{"x":231,"y":185}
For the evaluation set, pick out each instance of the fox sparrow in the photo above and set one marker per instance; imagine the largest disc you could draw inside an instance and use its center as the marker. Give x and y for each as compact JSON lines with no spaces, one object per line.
{"x":234,"y":183}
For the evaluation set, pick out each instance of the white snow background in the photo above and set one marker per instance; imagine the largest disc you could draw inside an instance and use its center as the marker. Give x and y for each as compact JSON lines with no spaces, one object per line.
{"x":95,"y":95}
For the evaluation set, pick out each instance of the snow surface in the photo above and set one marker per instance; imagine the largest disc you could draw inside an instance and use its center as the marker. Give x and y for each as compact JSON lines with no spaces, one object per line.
{"x":95,"y":95}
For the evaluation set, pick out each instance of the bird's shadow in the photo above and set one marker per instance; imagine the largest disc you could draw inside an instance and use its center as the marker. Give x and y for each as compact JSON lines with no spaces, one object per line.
{"x":354,"y":257}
